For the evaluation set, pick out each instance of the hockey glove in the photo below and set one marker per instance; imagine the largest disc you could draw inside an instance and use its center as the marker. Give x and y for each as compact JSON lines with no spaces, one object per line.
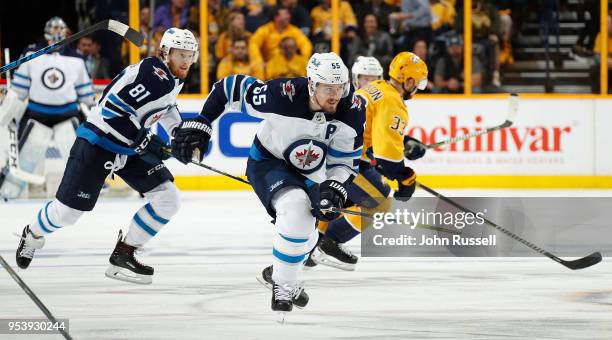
{"x":190,"y":135}
{"x":413,"y":148}
{"x":406,"y":186}
{"x":332,"y":195}
{"x":150,"y":147}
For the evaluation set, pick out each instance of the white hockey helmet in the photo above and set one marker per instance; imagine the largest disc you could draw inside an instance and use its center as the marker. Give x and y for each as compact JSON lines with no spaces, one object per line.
{"x":55,"y":29}
{"x":327,"y":68}
{"x":367,"y":66}
{"x":181,"y":39}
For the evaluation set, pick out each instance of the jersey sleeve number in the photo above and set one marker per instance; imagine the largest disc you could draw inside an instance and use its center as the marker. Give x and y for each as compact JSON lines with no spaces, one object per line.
{"x":398,"y":125}
{"x":137,"y":91}
{"x":259,"y":98}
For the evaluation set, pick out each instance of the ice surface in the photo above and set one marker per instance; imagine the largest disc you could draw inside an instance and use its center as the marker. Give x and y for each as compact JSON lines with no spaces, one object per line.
{"x":204,"y":286}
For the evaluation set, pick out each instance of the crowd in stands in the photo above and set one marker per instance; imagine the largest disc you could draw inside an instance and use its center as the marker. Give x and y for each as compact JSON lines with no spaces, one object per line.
{"x":274,"y":38}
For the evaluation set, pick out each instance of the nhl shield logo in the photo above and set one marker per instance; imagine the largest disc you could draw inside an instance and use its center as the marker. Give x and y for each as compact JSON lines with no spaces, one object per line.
{"x":288,"y":90}
{"x":306,"y":155}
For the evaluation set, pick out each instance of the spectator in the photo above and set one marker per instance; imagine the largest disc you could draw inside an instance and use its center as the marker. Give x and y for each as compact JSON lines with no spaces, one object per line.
{"x":264,"y":44}
{"x":236,"y":29}
{"x":174,"y":14}
{"x":84,"y":51}
{"x":256,"y":12}
{"x":322,"y":24}
{"x":420,"y":49}
{"x":299,"y":15}
{"x":415,"y":18}
{"x":100,"y":66}
{"x":145,"y":28}
{"x":448,"y":77}
{"x":443,"y":15}
{"x":287,"y":64}
{"x":486,"y":30}
{"x":375,"y":43}
{"x":379,"y":8}
{"x":237,"y":62}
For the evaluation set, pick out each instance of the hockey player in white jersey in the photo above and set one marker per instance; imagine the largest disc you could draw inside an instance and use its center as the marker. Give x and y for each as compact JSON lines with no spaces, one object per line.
{"x":44,"y":98}
{"x":116,"y":139}
{"x":304,"y":154}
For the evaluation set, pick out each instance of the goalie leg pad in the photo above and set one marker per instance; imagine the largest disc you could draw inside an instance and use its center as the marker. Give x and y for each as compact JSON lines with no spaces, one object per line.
{"x":12,"y":108}
{"x":64,"y":134}
{"x":296,"y":234}
{"x":33,"y":144}
{"x":32,"y":147}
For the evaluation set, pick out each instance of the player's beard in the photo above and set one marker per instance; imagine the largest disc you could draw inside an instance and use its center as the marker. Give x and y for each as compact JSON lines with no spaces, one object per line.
{"x":177,"y":71}
{"x":408,"y":94}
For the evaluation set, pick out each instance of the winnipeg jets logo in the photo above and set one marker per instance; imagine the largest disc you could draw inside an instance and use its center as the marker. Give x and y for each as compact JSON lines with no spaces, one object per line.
{"x":306,"y":155}
{"x":161,"y":74}
{"x":288,"y":90}
{"x":356,"y":102}
{"x":53,"y":78}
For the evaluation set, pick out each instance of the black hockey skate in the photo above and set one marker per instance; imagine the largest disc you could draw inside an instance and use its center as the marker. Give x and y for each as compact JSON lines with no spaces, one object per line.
{"x":300,"y":298}
{"x":334,"y":254}
{"x":28,"y":243}
{"x":125,"y":267}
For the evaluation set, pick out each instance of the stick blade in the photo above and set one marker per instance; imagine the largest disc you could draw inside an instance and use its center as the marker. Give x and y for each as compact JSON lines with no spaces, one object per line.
{"x":134,"y":37}
{"x":126,"y":31}
{"x":584,"y":262}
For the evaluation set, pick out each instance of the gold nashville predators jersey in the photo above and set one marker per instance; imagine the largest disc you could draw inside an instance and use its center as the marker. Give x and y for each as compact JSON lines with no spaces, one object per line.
{"x":386,"y":121}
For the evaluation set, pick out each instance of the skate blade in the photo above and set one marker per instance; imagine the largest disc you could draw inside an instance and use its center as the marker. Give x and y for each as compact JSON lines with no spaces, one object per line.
{"x":326,"y":260}
{"x":280,"y":317}
{"x":269,"y":286}
{"x":122,"y":274}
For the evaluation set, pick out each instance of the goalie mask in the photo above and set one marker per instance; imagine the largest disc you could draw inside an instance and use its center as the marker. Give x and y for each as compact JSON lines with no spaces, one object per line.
{"x":55,"y":30}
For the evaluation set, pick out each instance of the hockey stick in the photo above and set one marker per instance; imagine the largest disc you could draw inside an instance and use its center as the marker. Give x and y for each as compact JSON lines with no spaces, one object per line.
{"x":120,"y":28}
{"x":13,"y":150}
{"x":32,"y":296}
{"x":512,"y":110}
{"x":208,"y":167}
{"x":343,"y":211}
{"x":580,"y":263}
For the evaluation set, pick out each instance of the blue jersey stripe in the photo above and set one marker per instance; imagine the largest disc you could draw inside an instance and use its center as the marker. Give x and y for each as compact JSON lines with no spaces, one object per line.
{"x":53,"y":109}
{"x":23,"y":76}
{"x":156,"y":217}
{"x":82,"y":85}
{"x":144,"y":226}
{"x":288,"y":258}
{"x":117,"y":101}
{"x":14,"y":84}
{"x":103,"y":142}
{"x":342,"y":154}
{"x":88,"y":94}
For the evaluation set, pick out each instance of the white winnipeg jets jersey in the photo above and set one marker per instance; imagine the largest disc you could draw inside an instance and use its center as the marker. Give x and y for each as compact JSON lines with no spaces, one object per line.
{"x":320,"y":146}
{"x":141,"y":95}
{"x":54,"y":83}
